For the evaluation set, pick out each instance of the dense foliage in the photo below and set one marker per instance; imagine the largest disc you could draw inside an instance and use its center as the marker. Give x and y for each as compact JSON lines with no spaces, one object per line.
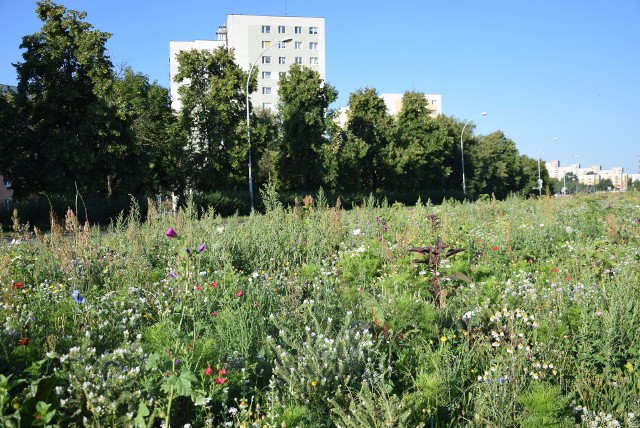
{"x":516,"y":313}
{"x":76,"y":126}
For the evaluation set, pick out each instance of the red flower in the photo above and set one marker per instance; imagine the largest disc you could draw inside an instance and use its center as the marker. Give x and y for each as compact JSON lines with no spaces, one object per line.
{"x":238,"y":293}
{"x":18,"y":285}
{"x":24,"y":341}
{"x":568,"y":278}
{"x":208,"y":371}
{"x":214,"y":284}
{"x":494,"y":248}
{"x":213,"y":313}
{"x":220,"y":380}
{"x":198,"y":288}
{"x":222,"y":372}
{"x":554,"y":270}
{"x":530,"y":261}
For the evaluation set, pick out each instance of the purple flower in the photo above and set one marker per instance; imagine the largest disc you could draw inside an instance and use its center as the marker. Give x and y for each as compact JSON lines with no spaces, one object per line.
{"x":638,"y":219}
{"x":188,"y":251}
{"x":171,"y":233}
{"x":173,"y":275}
{"x":201,"y":247}
{"x":77,"y":297}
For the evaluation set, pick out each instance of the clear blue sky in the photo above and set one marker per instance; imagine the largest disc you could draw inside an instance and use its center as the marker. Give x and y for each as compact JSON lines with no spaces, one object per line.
{"x":542,"y":69}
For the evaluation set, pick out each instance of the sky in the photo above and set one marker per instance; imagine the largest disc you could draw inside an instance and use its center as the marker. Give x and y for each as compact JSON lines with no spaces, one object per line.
{"x":559,"y":78}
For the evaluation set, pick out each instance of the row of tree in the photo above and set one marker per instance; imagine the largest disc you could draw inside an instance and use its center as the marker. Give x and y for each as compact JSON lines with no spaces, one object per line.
{"x":78,"y":124}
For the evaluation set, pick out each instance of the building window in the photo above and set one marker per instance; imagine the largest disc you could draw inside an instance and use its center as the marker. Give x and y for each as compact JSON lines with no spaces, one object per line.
{"x":282,"y":74}
{"x":267,"y":106}
{"x":281,"y":29}
{"x":313,"y":45}
{"x":7,"y":183}
{"x":266,"y":90}
{"x":434,"y":102}
{"x":266,"y":75}
{"x":297,"y":45}
{"x":266,"y":60}
{"x":282,"y":45}
{"x":299,"y":60}
{"x":282,"y":60}
{"x":266,"y":43}
{"x":313,"y":61}
{"x":298,"y":30}
{"x":313,"y":30}
{"x":266,"y":29}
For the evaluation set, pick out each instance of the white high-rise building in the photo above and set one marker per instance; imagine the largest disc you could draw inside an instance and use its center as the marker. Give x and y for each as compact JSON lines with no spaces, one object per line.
{"x":255,"y":40}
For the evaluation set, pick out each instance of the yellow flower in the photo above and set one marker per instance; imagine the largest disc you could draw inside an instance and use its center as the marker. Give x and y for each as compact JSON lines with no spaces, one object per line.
{"x":314,"y":383}
{"x":630,"y":367}
{"x":443,"y":339}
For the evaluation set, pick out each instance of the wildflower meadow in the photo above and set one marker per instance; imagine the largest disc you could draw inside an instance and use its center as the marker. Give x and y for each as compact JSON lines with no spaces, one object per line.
{"x":515,"y":313}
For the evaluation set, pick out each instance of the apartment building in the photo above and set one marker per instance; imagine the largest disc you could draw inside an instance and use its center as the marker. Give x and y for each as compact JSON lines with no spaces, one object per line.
{"x":394,"y":105}
{"x":589,"y":176}
{"x":256,"y":39}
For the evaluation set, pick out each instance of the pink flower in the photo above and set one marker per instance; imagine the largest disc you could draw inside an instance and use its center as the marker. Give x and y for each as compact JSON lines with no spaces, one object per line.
{"x":214,"y":284}
{"x":554,"y":270}
{"x":208,"y":371}
{"x":220,"y":380}
{"x":213,"y":313}
{"x":239,"y":293}
{"x":171,"y":233}
{"x":198,"y":288}
{"x":222,"y":372}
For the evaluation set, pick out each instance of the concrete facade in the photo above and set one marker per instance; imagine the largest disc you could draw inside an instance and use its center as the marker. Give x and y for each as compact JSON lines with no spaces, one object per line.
{"x":589,"y":176}
{"x":255,"y":40}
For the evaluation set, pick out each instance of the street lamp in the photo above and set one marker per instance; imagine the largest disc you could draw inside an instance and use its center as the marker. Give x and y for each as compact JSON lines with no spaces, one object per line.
{"x":540,"y":178}
{"x":564,"y":178}
{"x":285,"y":40}
{"x":464,"y":183}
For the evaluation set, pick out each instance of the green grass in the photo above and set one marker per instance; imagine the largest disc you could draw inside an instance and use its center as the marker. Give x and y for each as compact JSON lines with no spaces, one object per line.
{"x":318,"y":317}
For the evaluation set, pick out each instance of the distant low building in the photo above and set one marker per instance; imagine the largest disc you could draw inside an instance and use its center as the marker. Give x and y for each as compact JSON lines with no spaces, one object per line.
{"x":5,"y":89}
{"x":5,"y":192}
{"x":589,"y":176}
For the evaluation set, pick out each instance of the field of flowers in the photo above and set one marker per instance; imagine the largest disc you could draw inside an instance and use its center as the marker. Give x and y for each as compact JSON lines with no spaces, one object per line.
{"x":521,"y":313}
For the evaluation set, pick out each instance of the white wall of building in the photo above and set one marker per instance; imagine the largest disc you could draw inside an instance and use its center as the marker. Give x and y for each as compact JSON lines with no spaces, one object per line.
{"x":249,"y":36}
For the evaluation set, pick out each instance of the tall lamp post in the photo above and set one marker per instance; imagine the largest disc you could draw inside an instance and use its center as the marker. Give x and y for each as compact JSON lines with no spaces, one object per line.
{"x":285,"y":40}
{"x":564,"y":179}
{"x":540,"y":178}
{"x":464,"y":183}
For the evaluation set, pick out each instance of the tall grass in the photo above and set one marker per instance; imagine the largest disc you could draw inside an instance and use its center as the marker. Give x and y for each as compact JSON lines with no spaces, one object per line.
{"x":317,"y":316}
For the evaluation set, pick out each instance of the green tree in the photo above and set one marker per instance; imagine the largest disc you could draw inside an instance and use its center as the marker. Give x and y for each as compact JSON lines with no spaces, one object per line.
{"x":304,"y":100}
{"x":494,"y":166}
{"x":605,"y":184}
{"x":528,"y":176}
{"x":156,"y":146}
{"x":425,"y":149}
{"x":370,"y":135}
{"x":72,"y":137}
{"x":213,"y":116}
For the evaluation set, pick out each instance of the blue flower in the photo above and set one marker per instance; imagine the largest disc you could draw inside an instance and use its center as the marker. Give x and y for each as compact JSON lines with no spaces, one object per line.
{"x":77,"y":298}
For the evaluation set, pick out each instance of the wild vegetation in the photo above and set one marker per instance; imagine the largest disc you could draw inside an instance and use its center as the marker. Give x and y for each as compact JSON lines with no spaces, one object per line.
{"x":515,"y":313}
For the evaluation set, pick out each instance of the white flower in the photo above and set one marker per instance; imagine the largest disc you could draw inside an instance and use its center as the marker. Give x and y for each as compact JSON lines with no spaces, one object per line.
{"x":356,"y":232}
{"x":220,"y":229}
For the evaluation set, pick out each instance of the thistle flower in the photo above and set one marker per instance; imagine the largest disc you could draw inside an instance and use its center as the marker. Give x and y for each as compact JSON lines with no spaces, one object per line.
{"x":171,"y":233}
